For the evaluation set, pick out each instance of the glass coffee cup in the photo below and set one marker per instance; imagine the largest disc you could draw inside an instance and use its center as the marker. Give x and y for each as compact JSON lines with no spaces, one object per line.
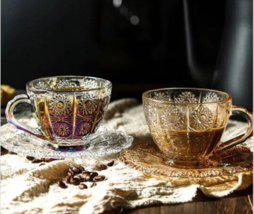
{"x":187,"y":124}
{"x":66,"y":108}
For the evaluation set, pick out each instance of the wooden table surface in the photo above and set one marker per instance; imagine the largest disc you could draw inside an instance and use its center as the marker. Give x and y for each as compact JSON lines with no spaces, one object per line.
{"x":239,"y":202}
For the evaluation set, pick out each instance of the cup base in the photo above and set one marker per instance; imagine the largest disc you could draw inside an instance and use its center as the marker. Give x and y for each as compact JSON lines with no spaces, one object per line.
{"x":190,"y":164}
{"x":68,"y":148}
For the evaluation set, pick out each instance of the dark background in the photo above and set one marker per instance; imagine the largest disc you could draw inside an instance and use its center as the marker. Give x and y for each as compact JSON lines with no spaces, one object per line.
{"x":96,"y":38}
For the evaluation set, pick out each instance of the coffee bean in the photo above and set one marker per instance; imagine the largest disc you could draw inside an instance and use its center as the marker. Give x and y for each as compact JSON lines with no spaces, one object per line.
{"x":81,"y":168}
{"x":111,"y":163}
{"x":93,"y":184}
{"x":78,"y":177}
{"x":93,"y":174}
{"x":88,"y":178}
{"x":4,"y":151}
{"x":12,"y":153}
{"x":70,"y":173}
{"x":68,"y":178}
{"x":48,"y":159}
{"x":30,"y":158}
{"x":85,"y":173}
{"x":74,"y":181}
{"x":99,"y":178}
{"x":62,"y":184}
{"x":103,"y":167}
{"x":75,"y":169}
{"x":82,"y":186}
{"x":36,"y":160}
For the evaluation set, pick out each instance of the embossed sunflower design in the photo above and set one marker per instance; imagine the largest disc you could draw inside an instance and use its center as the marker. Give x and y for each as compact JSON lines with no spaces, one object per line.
{"x":60,"y":104}
{"x":186,"y":97}
{"x":88,"y":105}
{"x":211,"y":97}
{"x":62,"y":129}
{"x":161,"y":96}
{"x":89,"y":84}
{"x":202,"y":118}
{"x":65,"y":84}
{"x":41,"y":85}
{"x":105,"y":92}
{"x":83,"y":128}
{"x":172,"y":118}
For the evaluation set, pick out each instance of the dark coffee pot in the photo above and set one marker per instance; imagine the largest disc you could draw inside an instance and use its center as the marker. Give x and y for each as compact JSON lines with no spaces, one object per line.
{"x":233,"y":71}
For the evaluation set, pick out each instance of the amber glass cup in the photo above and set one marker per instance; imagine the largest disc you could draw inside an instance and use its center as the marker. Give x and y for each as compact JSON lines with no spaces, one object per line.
{"x":66,"y":108}
{"x":187,"y":124}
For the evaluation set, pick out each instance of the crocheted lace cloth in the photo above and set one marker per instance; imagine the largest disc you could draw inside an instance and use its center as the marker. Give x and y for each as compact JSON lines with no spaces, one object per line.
{"x":29,"y":188}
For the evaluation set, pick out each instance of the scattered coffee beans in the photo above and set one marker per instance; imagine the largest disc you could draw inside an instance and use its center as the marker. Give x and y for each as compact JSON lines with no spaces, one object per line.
{"x":37,"y":160}
{"x":77,"y":175}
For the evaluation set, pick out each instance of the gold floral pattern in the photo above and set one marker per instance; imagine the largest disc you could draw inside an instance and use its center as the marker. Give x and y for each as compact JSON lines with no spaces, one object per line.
{"x":172,"y":118}
{"x":41,"y":85}
{"x":186,"y":97}
{"x":82,"y":129}
{"x":211,"y":97}
{"x":89,"y":84}
{"x":65,"y":84}
{"x":88,"y":105}
{"x":60,"y":104}
{"x":161,"y":96}
{"x":202,"y":118}
{"x":62,"y":129}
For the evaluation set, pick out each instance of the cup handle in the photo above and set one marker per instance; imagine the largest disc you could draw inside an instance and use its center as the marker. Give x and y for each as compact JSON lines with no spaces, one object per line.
{"x":241,"y":138}
{"x":23,"y":98}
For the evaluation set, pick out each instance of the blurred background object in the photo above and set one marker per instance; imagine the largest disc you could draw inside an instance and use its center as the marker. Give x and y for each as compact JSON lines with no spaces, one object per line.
{"x":138,"y":45}
{"x":233,"y":70}
{"x":7,"y":93}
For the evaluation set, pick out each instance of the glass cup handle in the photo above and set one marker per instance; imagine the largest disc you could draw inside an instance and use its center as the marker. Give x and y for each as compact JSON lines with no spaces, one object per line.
{"x":23,"y":98}
{"x":241,"y":138}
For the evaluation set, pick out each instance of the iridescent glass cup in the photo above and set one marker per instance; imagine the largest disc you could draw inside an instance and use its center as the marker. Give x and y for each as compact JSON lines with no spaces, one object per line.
{"x":66,"y":108}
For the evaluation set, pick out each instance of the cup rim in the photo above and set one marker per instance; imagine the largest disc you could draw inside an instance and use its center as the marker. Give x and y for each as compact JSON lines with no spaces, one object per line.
{"x":145,"y":95}
{"x":108,"y":84}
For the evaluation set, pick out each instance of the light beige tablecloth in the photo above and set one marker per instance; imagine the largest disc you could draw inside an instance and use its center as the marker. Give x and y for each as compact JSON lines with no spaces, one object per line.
{"x":29,"y":188}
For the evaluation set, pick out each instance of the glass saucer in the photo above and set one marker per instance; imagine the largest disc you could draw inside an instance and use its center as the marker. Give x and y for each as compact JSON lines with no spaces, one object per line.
{"x":104,"y":142}
{"x":148,"y":159}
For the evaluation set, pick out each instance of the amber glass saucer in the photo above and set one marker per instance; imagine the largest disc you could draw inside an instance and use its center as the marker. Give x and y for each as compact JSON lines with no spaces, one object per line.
{"x":147,"y":158}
